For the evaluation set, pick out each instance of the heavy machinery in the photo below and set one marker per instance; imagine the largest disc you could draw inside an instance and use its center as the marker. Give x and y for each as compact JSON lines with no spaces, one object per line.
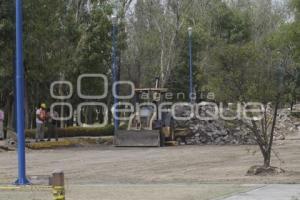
{"x":145,"y":129}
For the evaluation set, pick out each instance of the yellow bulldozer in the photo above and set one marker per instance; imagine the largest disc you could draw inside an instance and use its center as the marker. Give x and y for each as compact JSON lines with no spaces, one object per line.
{"x":145,"y":127}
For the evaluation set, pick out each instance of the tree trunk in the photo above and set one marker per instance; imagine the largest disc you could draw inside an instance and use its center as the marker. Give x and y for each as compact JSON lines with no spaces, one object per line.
{"x":162,"y":72}
{"x":7,"y":113}
{"x":109,"y":105}
{"x":267,"y":159}
{"x":62,"y":123}
{"x":27,"y":112}
{"x":10,"y":116}
{"x":270,"y":144}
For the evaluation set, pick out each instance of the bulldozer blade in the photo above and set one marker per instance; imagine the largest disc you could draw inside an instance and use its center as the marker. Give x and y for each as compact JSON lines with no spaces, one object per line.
{"x":144,"y":138}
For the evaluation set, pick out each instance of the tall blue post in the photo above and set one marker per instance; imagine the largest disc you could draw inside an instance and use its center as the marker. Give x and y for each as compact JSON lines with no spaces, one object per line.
{"x":22,"y":180}
{"x":114,"y":66}
{"x":190,"y":64}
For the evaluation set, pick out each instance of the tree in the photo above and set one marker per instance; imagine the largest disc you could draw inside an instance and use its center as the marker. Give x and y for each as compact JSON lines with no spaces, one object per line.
{"x":294,"y":28}
{"x":61,"y":38}
{"x":252,"y":68}
{"x":7,"y":59}
{"x":153,"y":46}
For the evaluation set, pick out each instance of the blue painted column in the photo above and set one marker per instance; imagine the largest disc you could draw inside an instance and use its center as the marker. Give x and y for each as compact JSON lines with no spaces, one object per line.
{"x":114,"y":65}
{"x":190,"y":64}
{"x":22,"y":180}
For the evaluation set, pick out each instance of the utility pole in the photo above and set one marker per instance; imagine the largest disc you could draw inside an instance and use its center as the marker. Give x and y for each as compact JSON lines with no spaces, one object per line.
{"x":114,"y":19}
{"x":22,"y":180}
{"x":190,"y":30}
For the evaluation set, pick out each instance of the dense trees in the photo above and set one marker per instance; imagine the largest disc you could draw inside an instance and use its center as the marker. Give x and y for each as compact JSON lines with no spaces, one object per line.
{"x":242,"y":50}
{"x":7,"y":54}
{"x":62,"y":39}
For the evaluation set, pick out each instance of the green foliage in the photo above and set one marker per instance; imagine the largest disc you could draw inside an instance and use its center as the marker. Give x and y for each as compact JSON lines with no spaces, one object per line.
{"x":62,"y":40}
{"x":238,"y":48}
{"x":293,"y":29}
{"x":295,"y":114}
{"x":6,"y":46}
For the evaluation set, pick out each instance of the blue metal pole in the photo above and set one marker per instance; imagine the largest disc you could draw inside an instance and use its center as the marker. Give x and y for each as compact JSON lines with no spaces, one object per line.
{"x":114,"y":70}
{"x":22,"y":180}
{"x":191,"y":65}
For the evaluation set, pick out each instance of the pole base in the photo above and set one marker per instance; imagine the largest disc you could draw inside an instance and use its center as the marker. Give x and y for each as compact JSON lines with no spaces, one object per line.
{"x":23,"y":181}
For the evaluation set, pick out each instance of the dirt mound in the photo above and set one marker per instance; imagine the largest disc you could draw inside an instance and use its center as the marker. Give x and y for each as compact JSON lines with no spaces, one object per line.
{"x":264,"y":171}
{"x":217,"y":132}
{"x":287,"y":125}
{"x":221,"y":132}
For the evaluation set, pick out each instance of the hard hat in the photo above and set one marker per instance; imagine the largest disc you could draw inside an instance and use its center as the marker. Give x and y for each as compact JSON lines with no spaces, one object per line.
{"x":43,"y":105}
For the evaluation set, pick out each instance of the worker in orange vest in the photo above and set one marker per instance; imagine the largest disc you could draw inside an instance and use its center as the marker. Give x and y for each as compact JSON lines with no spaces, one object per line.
{"x":41,"y":117}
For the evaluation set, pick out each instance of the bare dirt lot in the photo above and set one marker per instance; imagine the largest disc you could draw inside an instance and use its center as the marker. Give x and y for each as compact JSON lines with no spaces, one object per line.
{"x":198,"y":168}
{"x":183,"y":164}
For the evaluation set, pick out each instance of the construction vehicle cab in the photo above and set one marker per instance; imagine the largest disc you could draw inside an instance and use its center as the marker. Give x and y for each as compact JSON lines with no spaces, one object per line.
{"x":145,"y":127}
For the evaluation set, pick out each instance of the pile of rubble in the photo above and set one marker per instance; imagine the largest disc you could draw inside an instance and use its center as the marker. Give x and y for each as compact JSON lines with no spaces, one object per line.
{"x":221,"y":132}
{"x":286,"y":125}
{"x":216,"y":132}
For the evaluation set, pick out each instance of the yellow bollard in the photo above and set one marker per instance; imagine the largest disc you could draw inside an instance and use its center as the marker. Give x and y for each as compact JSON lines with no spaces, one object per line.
{"x":58,"y":185}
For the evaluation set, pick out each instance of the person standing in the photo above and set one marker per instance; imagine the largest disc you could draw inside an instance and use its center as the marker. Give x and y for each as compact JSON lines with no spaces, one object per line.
{"x":52,"y":124}
{"x":41,"y":116}
{"x":1,"y":125}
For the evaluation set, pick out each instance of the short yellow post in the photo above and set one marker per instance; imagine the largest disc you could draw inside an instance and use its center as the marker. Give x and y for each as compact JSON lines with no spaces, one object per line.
{"x":58,"y":185}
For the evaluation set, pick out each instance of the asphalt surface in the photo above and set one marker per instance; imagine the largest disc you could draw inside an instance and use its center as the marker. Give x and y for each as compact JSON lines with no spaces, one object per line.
{"x":270,"y":192}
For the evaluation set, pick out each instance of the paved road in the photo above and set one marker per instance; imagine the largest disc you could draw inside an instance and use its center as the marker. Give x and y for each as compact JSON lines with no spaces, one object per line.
{"x":271,"y":192}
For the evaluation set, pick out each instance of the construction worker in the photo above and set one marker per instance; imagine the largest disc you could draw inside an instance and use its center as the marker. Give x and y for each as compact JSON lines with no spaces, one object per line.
{"x":41,"y":117}
{"x":1,"y":125}
{"x":52,"y":124}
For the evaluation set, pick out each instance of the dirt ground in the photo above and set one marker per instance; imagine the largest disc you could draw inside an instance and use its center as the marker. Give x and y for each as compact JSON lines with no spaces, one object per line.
{"x":183,"y":164}
{"x":131,"y":192}
{"x":155,"y":170}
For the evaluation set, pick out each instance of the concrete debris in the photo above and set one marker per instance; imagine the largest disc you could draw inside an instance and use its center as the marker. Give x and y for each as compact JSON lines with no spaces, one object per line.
{"x":286,"y":125}
{"x":221,"y":132}
{"x":217,"y":132}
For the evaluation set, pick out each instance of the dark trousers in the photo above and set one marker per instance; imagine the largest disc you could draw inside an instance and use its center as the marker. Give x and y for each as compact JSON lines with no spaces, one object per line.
{"x":52,"y":132}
